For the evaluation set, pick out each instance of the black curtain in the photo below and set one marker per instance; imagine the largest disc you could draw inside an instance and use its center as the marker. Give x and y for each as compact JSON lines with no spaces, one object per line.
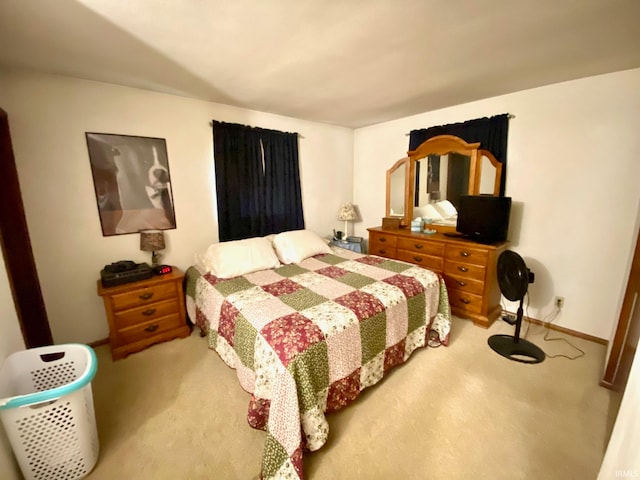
{"x":491,"y":132}
{"x":283,"y":197}
{"x":257,"y":194}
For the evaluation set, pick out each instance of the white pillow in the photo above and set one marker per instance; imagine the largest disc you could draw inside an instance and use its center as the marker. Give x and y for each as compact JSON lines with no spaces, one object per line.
{"x":446,"y":209}
{"x":429,"y":211}
{"x":239,"y":257}
{"x":296,"y":245}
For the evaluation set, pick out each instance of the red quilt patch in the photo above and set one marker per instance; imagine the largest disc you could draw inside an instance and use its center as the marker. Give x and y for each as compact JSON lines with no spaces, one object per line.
{"x":290,"y":335}
{"x":283,"y":287}
{"x":370,"y":260}
{"x":332,"y":272}
{"x":258,"y":415}
{"x":393,"y":356}
{"x":363,"y":304}
{"x":344,"y":391}
{"x":227,"y":324}
{"x":409,"y":285}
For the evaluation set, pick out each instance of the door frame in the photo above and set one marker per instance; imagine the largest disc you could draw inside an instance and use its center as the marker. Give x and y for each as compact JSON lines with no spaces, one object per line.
{"x":16,"y":249}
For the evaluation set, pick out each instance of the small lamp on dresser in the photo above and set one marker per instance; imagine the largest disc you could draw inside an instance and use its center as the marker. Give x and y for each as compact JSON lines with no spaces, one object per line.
{"x":152,"y":241}
{"x":347,"y":213}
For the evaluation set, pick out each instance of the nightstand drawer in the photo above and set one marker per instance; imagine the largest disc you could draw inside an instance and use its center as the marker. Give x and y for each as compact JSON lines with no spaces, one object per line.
{"x":149,"y":329}
{"x":143,"y":296}
{"x":145,"y":313}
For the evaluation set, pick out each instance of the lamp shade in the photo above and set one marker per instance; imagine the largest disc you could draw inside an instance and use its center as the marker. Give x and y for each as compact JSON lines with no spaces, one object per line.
{"x":151,"y":241}
{"x":347,"y":212}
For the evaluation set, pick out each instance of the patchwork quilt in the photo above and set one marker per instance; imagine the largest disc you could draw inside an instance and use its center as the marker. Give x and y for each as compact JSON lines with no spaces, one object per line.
{"x":305,"y":339}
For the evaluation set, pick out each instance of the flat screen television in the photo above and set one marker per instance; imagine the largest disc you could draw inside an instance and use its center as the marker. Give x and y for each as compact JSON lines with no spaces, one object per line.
{"x":484,"y":218}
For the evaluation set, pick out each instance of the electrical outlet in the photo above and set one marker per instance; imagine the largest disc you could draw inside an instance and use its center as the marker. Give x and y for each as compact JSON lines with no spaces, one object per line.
{"x":559,"y":302}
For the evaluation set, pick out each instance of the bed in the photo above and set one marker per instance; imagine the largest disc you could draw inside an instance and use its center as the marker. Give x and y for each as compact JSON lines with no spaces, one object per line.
{"x":310,"y":331}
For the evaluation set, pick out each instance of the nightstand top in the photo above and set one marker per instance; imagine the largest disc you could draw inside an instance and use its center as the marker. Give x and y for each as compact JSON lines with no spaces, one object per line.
{"x":175,"y":275}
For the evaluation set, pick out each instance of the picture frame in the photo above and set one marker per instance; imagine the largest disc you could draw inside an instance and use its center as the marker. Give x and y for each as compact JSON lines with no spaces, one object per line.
{"x":132,"y":183}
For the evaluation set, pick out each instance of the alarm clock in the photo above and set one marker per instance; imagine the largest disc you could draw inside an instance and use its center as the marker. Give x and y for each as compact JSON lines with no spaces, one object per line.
{"x":162,"y":269}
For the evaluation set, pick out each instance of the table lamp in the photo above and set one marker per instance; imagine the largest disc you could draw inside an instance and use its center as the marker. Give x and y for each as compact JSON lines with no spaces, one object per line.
{"x":152,"y":241}
{"x":347,"y":213}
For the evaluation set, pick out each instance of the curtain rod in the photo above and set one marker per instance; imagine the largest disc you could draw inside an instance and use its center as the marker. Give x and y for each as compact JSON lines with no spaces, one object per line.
{"x":509,"y":115}
{"x":299,"y":136}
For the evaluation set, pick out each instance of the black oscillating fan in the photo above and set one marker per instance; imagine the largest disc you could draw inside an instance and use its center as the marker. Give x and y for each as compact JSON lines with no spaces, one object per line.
{"x":514,"y":278}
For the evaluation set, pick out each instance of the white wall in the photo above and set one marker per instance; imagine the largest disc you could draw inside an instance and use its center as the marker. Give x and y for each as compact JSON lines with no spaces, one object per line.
{"x":10,"y":341}
{"x":572,"y":172}
{"x":48,"y":117}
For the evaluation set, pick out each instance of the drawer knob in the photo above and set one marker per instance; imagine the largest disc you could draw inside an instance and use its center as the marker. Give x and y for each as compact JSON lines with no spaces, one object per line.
{"x":151,"y":328}
{"x":418,"y":246}
{"x":382,"y":251}
{"x":146,"y":296}
{"x":149,"y":311}
{"x":463,"y":269}
{"x":462,"y":284}
{"x":417,"y":259}
{"x":382,"y":239}
{"x":464,"y":254}
{"x":465,"y":301}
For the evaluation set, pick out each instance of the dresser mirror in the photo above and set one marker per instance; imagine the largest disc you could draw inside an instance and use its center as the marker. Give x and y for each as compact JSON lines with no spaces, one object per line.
{"x":434,"y":176}
{"x":397,"y":191}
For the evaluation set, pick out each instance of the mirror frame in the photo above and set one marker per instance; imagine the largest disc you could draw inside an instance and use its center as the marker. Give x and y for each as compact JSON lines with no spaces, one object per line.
{"x":441,"y":145}
{"x":406,"y":218}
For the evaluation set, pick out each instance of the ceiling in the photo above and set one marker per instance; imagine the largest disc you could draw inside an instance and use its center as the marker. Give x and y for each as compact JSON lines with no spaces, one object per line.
{"x":350,"y":63}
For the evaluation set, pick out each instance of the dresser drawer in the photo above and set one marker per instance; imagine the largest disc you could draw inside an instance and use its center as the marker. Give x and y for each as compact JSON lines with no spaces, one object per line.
{"x":464,"y":270}
{"x":382,"y":244}
{"x":148,"y":329}
{"x":465,"y":301}
{"x":463,"y":284}
{"x":143,"y":314}
{"x":462,"y":253}
{"x":383,"y":239}
{"x":143,"y":296}
{"x":426,"y":261}
{"x":382,"y":250}
{"x":424,"y":247}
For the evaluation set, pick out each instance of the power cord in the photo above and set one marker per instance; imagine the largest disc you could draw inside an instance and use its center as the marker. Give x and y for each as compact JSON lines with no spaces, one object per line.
{"x":546,"y":338}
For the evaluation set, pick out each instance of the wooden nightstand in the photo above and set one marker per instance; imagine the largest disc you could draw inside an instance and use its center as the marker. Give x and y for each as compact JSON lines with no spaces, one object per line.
{"x":145,"y":312}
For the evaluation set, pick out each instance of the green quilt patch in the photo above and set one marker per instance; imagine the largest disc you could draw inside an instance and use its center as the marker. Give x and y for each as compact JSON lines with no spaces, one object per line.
{"x":356,"y":280}
{"x":191,"y":279}
{"x":331,"y":259}
{"x":244,"y":341}
{"x":273,"y":457}
{"x":394,"y":266}
{"x":303,"y":298}
{"x":290,"y":270}
{"x":416,"y":307}
{"x":310,"y":370}
{"x":233,"y":285}
{"x":373,"y":336}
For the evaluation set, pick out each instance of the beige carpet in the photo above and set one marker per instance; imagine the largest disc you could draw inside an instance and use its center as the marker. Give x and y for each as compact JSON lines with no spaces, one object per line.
{"x":175,"y":411}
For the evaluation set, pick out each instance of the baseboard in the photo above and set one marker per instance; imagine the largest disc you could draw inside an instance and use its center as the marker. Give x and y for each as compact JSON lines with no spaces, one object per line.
{"x":98,"y":343}
{"x":560,"y":329}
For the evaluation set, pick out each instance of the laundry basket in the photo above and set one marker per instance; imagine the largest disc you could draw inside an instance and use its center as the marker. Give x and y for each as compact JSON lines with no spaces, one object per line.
{"x":46,"y":407}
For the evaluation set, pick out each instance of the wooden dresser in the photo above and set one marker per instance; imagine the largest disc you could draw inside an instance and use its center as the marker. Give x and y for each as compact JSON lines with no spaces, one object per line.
{"x":145,"y":312}
{"x":468,"y":268}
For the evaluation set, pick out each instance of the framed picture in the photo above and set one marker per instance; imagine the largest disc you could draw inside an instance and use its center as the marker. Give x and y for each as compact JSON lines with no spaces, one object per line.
{"x":132,"y":183}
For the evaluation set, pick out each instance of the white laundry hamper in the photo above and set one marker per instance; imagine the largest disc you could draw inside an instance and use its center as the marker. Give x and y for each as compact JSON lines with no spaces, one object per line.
{"x":46,"y":407}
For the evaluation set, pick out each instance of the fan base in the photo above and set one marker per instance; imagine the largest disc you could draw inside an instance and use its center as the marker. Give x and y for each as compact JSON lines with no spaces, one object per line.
{"x":519,"y":351}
